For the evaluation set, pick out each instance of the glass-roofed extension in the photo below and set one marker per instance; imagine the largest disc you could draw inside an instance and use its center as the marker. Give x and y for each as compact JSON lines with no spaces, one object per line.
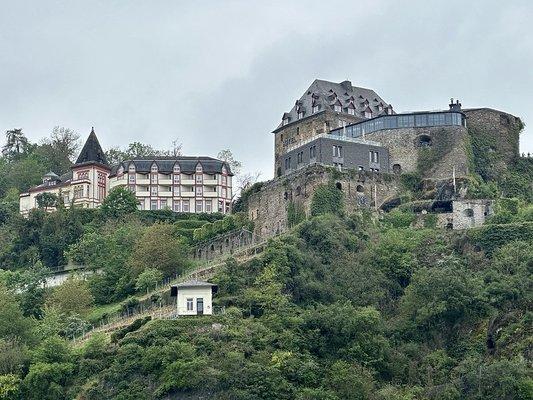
{"x":412,"y":120}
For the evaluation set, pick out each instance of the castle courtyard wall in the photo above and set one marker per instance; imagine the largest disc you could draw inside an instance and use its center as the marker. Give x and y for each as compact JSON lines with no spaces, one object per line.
{"x":404,"y":149}
{"x":267,"y":208}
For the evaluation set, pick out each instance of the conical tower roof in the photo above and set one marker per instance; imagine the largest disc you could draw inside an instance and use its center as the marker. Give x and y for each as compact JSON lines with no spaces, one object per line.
{"x":92,"y":151}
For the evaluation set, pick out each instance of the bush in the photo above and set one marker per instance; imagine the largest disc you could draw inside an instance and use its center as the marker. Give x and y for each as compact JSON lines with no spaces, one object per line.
{"x":72,"y":297}
{"x":492,"y":237}
{"x":148,"y":279}
{"x":398,"y":219}
{"x":134,"y":326}
{"x":411,"y":181}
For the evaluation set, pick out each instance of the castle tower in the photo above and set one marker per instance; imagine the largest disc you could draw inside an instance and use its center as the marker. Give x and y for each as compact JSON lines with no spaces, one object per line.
{"x":89,"y":174}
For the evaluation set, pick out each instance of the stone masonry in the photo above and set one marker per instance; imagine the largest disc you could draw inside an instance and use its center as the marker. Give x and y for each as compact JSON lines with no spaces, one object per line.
{"x":405,"y":144}
{"x":305,"y":129}
{"x":500,"y":133}
{"x":268,"y":207}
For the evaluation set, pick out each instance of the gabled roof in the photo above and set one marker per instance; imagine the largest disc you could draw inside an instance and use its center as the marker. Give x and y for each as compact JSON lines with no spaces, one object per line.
{"x":323,"y":93}
{"x":92,"y":152}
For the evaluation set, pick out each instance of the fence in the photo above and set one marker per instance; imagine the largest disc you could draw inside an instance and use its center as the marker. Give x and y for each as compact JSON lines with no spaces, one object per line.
{"x":159,"y":304}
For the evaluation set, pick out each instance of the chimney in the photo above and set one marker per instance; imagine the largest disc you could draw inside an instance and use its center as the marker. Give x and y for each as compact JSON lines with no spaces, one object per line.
{"x":455,"y":106}
{"x":347,"y":85}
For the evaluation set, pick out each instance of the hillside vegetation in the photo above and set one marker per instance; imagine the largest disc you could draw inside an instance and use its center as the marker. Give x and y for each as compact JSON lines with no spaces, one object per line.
{"x":341,"y":307}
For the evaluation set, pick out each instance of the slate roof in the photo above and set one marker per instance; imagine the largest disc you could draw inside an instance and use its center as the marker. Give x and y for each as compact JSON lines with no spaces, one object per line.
{"x":166,"y":165}
{"x":92,"y":152}
{"x":60,"y":181}
{"x":194,"y":283}
{"x":325,"y":95}
{"x":51,"y":174}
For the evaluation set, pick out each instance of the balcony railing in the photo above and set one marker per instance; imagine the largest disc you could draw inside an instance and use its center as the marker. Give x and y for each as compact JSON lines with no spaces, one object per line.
{"x":331,"y":136}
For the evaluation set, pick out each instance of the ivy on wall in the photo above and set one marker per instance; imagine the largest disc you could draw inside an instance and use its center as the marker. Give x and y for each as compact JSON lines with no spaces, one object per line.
{"x":295,"y":213}
{"x":327,"y":199}
{"x":428,"y":157}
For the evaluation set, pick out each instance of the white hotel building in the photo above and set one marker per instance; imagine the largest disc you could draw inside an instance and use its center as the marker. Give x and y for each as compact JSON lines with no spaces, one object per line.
{"x":182,"y":184}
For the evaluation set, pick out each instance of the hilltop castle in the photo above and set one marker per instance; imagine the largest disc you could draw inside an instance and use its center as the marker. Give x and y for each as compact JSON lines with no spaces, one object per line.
{"x":181,"y":184}
{"x":355,"y":133}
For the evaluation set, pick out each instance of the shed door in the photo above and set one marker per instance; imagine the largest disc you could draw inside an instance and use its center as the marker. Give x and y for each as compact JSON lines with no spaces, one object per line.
{"x":199,"y":305}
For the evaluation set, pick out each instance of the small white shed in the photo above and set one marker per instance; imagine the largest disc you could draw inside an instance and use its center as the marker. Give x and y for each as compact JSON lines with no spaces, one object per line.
{"x":194,"y":297}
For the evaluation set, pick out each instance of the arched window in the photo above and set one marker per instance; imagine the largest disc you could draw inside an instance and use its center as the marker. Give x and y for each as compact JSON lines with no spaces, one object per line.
{"x":397,"y":169}
{"x":424,"y":141}
{"x":198,"y":167}
{"x":468,"y":213}
{"x":338,"y":185}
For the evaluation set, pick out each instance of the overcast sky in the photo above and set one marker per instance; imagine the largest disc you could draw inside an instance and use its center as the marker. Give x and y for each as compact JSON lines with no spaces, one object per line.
{"x":220,"y":74}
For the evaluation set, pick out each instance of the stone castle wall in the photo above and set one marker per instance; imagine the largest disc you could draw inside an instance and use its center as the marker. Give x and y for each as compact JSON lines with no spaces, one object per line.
{"x":405,"y":145}
{"x":268,"y":207}
{"x":500,"y":133}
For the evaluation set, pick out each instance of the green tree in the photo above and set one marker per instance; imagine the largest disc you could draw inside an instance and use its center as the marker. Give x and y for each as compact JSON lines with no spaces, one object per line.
{"x":119,"y":202}
{"x":13,"y":324}
{"x":47,"y":200}
{"x":47,"y":381}
{"x":160,"y":248}
{"x":109,"y":249}
{"x":9,"y":387}
{"x":349,"y":381}
{"x":60,"y":150}
{"x":16,"y":142}
{"x":438,"y":299}
{"x":227,"y":156}
{"x":341,"y":330}
{"x":148,"y":279}
{"x":72,"y":297}
{"x":13,"y":356}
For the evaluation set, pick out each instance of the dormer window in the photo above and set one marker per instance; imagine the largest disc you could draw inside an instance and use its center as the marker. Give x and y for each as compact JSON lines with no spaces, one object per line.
{"x":131,"y":168}
{"x":154,"y":168}
{"x":315,"y":108}
{"x":176,"y":169}
{"x":300,"y":114}
{"x":380,"y":107}
{"x":199,"y":168}
{"x":389,"y":110}
{"x":337,"y":108}
{"x":285,"y":121}
{"x":368,"y":113}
